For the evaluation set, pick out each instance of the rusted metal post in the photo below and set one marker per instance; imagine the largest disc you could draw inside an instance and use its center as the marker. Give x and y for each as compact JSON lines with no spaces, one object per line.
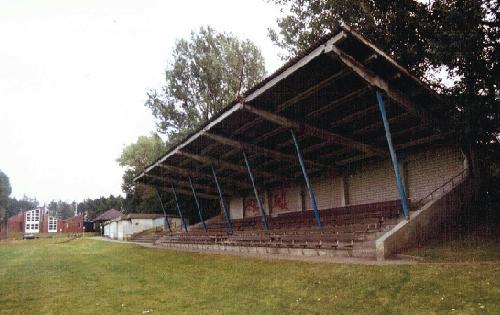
{"x":197,"y":204}
{"x":394,"y":158}
{"x":308,"y":184}
{"x":259,"y":202}
{"x":223,"y":204}
{"x":183,"y":223}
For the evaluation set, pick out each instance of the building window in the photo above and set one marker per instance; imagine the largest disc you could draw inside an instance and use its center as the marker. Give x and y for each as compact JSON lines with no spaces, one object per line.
{"x":52,"y":225}
{"x":32,"y":221}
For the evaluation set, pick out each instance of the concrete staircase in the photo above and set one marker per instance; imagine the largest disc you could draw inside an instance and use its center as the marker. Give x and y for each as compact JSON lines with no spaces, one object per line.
{"x":440,"y":208}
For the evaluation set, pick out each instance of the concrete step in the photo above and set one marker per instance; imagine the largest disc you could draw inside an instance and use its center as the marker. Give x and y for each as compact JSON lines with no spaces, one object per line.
{"x":367,"y":253}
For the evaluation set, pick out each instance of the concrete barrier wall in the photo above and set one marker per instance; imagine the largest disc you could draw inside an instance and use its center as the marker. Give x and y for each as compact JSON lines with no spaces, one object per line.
{"x":426,"y":222}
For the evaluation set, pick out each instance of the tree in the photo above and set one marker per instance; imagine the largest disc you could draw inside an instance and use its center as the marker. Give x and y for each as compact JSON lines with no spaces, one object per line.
{"x":467,"y":43}
{"x":61,"y":209}
{"x":5,"y":191}
{"x":458,"y":36}
{"x":135,"y":158}
{"x":17,"y":205}
{"x":208,"y":71}
{"x":92,"y":207}
{"x":395,"y":26}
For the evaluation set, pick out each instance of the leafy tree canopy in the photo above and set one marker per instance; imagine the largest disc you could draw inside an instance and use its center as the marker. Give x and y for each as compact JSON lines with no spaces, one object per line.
{"x":5,"y":191}
{"x":93,"y":207}
{"x":17,"y":205}
{"x":135,"y":158}
{"x":208,"y":70}
{"x":61,"y":209}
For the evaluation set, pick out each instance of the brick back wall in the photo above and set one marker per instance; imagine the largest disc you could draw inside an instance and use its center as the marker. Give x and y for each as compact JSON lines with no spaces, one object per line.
{"x":71,"y":225}
{"x":374,"y":181}
{"x":285,"y":199}
{"x":293,"y":200}
{"x":236,"y":208}
{"x":15,"y":224}
{"x":327,"y":191}
{"x":430,"y":169}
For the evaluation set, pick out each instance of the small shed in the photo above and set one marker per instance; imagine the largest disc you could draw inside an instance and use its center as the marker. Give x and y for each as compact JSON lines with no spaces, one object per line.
{"x":108,"y":215}
{"x":124,"y":226}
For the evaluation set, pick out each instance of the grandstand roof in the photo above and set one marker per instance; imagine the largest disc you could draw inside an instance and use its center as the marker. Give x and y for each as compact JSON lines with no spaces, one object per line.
{"x":327,"y":96}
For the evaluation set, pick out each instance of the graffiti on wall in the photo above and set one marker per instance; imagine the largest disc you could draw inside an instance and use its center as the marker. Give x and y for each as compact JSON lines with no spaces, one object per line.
{"x":279,"y":200}
{"x":251,"y":207}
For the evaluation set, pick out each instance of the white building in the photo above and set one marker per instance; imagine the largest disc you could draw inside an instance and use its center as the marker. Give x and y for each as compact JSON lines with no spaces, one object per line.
{"x":123,"y":227}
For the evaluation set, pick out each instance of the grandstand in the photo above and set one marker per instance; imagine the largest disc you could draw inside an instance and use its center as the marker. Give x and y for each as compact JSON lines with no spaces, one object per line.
{"x":341,"y":151}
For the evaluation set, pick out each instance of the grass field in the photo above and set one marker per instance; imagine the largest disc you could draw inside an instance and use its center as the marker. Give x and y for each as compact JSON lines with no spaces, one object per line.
{"x":95,"y":277}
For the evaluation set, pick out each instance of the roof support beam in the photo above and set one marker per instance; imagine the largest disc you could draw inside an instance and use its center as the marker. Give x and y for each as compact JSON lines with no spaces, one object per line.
{"x":226,"y":165}
{"x":308,"y":183}
{"x":285,"y":144}
{"x":314,"y":131}
{"x":425,"y":140}
{"x":198,"y":205}
{"x":185,"y":192}
{"x":197,"y":174}
{"x":307,"y":93}
{"x":338,"y":102}
{"x":394,"y":158}
{"x":180,"y":182}
{"x":354,"y":116}
{"x":227,"y":215}
{"x":236,"y":107}
{"x":401,"y":146}
{"x":183,"y":222}
{"x":261,"y":150}
{"x":328,"y":107}
{"x":377,"y":125}
{"x":301,"y":96}
{"x":382,"y":84}
{"x":167,"y":224}
{"x":256,"y":193}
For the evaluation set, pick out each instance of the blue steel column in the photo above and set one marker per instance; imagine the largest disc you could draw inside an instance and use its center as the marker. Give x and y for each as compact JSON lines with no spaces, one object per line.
{"x":308,"y":184}
{"x":163,"y":208}
{"x":395,"y":165}
{"x":226,"y":214}
{"x":179,"y":210}
{"x":259,"y":202}
{"x":197,"y":204}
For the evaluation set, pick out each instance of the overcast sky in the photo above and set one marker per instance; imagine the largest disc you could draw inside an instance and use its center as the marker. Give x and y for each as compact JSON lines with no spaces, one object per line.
{"x":74,"y":76}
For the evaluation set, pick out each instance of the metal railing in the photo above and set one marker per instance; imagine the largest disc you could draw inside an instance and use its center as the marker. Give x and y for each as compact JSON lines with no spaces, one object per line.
{"x":445,"y":187}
